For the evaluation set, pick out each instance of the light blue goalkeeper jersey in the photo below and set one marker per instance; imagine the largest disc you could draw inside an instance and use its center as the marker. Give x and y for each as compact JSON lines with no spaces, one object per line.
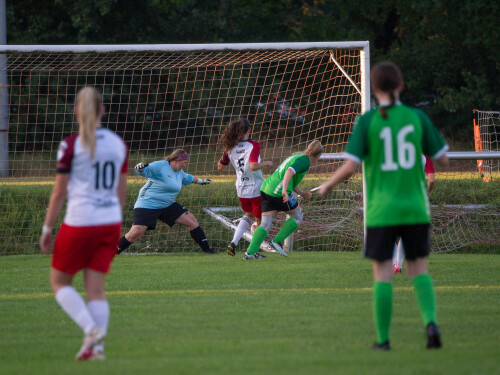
{"x":162,"y":186}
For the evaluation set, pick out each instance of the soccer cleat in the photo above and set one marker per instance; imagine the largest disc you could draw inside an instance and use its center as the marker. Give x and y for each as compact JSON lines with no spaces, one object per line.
{"x":382,"y":347}
{"x":95,"y":337}
{"x":253,"y":256}
{"x":97,"y":355}
{"x":231,"y":249}
{"x":397,"y":269}
{"x":208,"y":251}
{"x":433,"y":336}
{"x":276,"y":246}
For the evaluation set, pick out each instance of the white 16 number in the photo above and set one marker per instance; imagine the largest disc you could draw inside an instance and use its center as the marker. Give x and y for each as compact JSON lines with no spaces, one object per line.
{"x":406,"y":150}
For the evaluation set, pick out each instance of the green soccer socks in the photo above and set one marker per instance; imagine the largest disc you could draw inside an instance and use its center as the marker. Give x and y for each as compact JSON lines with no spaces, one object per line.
{"x":426,"y":297}
{"x":382,"y":309}
{"x":258,"y":237}
{"x":287,"y":229}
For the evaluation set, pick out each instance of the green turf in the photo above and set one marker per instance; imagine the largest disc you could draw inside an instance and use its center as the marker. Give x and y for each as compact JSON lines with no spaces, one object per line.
{"x":309,"y":313}
{"x":23,"y":208}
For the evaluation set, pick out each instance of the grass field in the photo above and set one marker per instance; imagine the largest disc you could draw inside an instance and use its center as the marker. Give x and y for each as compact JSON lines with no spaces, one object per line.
{"x":309,"y":313}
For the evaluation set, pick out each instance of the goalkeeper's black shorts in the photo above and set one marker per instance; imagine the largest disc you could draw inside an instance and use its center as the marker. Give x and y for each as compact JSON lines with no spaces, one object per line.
{"x":380,"y":241}
{"x":149,"y":216}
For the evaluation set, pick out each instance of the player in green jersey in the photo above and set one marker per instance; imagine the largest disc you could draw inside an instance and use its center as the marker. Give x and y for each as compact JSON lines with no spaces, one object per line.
{"x":389,"y":142}
{"x":276,"y":195}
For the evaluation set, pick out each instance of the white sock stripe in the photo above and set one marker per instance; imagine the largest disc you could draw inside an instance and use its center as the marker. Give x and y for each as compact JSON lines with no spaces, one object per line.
{"x":247,"y":219}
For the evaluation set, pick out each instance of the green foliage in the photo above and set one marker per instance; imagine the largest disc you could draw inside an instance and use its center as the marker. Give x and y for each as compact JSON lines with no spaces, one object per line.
{"x":448,"y":52}
{"x":309,"y":313}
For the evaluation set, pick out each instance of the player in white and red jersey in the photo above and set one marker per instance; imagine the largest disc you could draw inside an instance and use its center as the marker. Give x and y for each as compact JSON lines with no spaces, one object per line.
{"x":244,"y":155}
{"x":399,"y":252}
{"x":92,"y":173}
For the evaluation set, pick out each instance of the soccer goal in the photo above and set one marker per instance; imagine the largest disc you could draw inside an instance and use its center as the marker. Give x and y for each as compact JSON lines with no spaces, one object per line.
{"x":487,"y":138}
{"x":162,"y":97}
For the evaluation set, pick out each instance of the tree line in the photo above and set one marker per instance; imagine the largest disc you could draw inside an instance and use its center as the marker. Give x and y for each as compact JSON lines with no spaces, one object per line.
{"x":449,"y":51}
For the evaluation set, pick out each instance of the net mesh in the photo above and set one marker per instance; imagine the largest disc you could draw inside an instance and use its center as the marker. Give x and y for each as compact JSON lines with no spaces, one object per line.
{"x":488,"y":139}
{"x":158,"y":101}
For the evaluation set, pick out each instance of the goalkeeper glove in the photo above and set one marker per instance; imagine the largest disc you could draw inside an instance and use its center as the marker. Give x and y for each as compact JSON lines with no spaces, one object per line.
{"x":203,"y":181}
{"x":140,"y":167}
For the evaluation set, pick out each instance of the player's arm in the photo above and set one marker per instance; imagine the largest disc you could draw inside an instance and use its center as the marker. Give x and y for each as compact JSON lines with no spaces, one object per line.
{"x":56,"y":202}
{"x":286,"y":181}
{"x":255,"y":166}
{"x":443,"y":161}
{"x":122,"y":183}
{"x":223,"y":162}
{"x":304,"y":193}
{"x":220,"y":166}
{"x":429,"y":171}
{"x":299,"y":191}
{"x":431,"y":182}
{"x":122,"y":189}
{"x":201,"y":181}
{"x":341,"y":174}
{"x":144,"y":169}
{"x":356,"y":148}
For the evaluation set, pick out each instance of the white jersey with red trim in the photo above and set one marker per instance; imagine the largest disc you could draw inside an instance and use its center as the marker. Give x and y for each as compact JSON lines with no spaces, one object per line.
{"x":92,"y":188}
{"x":248,"y":182}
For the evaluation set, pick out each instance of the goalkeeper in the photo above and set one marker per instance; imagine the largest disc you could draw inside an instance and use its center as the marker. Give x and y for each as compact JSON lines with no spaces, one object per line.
{"x":156,"y":200}
{"x":276,"y":195}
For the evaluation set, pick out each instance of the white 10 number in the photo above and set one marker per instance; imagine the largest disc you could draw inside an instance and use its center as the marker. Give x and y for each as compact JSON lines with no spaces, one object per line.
{"x":406,"y":150}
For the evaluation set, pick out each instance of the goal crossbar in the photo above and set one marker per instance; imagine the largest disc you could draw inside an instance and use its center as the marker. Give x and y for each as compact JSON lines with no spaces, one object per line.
{"x":457,"y":155}
{"x":182,"y":47}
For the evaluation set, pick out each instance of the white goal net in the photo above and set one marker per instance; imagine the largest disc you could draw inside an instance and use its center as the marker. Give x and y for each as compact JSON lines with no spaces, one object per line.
{"x":487,"y":138}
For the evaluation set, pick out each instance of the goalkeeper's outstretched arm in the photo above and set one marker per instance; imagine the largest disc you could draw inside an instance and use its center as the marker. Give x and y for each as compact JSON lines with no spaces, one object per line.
{"x":201,"y":181}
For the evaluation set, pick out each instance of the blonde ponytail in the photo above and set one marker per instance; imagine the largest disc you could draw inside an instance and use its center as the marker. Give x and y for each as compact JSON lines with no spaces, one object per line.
{"x":88,"y":113}
{"x":314,"y":149}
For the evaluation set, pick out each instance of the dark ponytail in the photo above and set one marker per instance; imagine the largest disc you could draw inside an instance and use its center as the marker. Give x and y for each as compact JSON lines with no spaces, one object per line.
{"x":387,"y":77}
{"x":233,"y":133}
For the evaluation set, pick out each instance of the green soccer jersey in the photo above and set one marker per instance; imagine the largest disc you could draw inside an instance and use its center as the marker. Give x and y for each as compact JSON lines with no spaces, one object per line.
{"x":300,"y":163}
{"x":391,"y":149}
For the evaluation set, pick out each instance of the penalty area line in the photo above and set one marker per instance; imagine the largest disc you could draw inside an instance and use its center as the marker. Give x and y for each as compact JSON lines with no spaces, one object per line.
{"x":209,"y":292}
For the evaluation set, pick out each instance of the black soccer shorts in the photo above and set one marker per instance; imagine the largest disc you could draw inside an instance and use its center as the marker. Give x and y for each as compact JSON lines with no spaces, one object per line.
{"x":270,"y":203}
{"x":379,"y":242}
{"x":148,"y":216}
